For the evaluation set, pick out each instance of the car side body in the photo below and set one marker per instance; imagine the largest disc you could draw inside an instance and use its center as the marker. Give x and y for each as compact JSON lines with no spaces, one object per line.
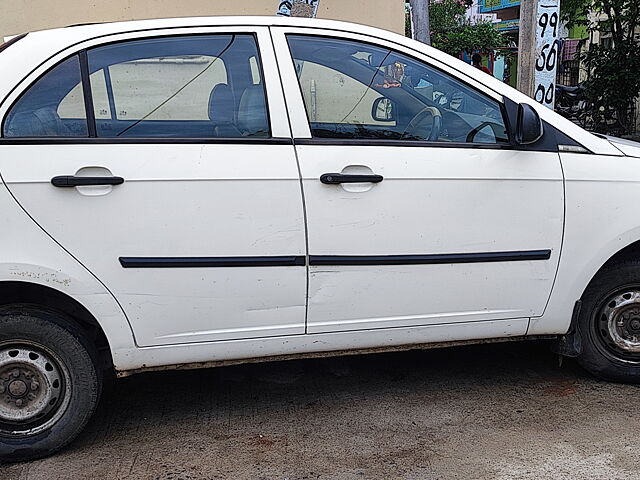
{"x":185,"y":264}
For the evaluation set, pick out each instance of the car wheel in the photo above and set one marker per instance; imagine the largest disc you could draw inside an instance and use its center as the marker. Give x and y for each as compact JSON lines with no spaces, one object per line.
{"x":609,"y":323}
{"x":49,"y":383}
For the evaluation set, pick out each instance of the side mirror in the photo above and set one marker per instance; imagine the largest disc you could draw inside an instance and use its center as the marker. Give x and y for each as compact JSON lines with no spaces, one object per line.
{"x":529,"y":125}
{"x":383,"y":110}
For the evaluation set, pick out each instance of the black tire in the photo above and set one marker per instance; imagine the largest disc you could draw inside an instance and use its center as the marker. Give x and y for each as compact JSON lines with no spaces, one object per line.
{"x":48,"y":337}
{"x":601,"y":355}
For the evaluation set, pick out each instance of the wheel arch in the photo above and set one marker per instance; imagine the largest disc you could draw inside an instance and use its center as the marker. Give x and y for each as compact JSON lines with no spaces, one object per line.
{"x":34,"y":295}
{"x":630,"y":251}
{"x":578,"y":268}
{"x":592,"y":342}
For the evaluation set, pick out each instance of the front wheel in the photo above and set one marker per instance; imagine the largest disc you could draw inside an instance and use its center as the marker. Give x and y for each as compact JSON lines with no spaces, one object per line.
{"x":49,"y":383}
{"x":609,"y":324}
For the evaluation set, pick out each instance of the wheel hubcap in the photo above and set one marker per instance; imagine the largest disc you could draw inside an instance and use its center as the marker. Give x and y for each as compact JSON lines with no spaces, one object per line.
{"x":17,"y":388}
{"x":620,"y":321}
{"x":34,"y":389}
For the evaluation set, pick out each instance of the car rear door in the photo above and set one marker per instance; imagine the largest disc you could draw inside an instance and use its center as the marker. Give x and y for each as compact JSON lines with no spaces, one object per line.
{"x":183,"y":197}
{"x":420,"y":208}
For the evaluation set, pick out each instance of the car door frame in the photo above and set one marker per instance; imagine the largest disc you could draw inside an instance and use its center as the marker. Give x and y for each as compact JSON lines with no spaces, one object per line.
{"x":295,"y":103}
{"x":276,"y":108}
{"x":302,"y":135}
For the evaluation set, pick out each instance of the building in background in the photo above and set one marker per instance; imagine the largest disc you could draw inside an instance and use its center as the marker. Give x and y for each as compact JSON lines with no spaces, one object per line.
{"x":505,"y":15}
{"x":19,"y":17}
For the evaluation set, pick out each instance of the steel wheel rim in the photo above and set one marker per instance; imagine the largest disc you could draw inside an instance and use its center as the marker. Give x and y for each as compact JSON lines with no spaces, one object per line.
{"x":617,"y":324}
{"x":35,"y":388}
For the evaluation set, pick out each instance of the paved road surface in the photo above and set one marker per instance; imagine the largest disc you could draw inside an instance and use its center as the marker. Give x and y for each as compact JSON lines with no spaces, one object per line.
{"x":502,"y":411}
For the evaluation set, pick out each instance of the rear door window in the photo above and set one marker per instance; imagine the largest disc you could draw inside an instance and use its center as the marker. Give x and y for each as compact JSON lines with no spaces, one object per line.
{"x":196,"y":86}
{"x":192,"y":86}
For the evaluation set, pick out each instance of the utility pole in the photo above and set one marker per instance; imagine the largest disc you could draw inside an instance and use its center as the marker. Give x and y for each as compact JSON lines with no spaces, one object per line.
{"x":420,"y":20}
{"x":298,"y":8}
{"x":538,"y":49}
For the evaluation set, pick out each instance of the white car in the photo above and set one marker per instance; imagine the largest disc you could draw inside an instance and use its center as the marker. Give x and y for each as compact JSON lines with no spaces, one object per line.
{"x":195,"y":192}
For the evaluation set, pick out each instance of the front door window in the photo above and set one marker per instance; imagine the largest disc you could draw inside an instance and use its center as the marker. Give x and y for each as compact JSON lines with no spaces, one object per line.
{"x":357,"y":90}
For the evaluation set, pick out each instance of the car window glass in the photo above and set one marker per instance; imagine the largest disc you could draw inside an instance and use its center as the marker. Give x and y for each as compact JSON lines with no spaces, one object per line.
{"x":72,"y":105}
{"x":52,"y":107}
{"x":101,"y":106}
{"x":325,"y":91}
{"x":255,"y":70}
{"x":358,"y":90}
{"x":195,"y":86}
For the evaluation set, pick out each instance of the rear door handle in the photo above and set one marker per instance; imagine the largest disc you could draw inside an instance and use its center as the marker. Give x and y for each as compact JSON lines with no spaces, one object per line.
{"x":338,"y":178}
{"x":74,"y":181}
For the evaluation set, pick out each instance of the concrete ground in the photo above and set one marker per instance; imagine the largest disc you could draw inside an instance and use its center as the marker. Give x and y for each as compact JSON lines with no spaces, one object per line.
{"x":505,"y":411}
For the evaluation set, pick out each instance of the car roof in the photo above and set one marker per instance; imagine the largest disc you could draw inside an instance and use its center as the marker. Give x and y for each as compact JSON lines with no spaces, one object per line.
{"x":107,"y":28}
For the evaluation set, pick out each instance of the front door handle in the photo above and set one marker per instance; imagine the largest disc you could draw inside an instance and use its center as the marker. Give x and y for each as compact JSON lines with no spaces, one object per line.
{"x":75,"y":181}
{"x":338,"y":178}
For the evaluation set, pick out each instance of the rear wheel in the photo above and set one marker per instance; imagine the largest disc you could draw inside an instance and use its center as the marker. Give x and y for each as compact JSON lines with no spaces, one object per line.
{"x":609,"y":322}
{"x":49,"y":383}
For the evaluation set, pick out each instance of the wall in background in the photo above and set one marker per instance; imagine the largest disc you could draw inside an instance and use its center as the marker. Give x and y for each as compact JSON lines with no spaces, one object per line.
{"x":17,"y":16}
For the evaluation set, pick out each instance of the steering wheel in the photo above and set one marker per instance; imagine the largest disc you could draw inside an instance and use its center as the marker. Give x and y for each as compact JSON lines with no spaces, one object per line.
{"x":419,"y":117}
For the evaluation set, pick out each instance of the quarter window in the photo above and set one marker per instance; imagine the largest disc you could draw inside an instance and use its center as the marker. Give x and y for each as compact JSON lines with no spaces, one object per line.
{"x":357,"y":90}
{"x":52,"y":107}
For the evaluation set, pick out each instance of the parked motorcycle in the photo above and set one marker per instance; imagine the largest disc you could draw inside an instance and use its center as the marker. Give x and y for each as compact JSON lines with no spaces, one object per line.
{"x":570,"y":102}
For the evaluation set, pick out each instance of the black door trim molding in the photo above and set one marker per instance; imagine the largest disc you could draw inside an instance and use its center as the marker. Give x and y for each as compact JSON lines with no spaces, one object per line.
{"x":314,"y":260}
{"x":518,"y":256}
{"x":203,"y":262}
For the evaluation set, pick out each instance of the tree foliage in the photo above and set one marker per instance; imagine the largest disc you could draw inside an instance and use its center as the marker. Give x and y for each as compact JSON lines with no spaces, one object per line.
{"x":451,"y":32}
{"x":613,"y":83}
{"x":575,"y":12}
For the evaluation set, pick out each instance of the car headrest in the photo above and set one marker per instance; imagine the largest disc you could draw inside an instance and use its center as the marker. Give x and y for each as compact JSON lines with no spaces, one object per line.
{"x":252,"y":114}
{"x":221,"y":104}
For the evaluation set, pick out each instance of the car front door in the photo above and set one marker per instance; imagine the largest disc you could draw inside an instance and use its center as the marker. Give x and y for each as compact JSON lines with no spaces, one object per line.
{"x":166,"y":175}
{"x":421,"y":210}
